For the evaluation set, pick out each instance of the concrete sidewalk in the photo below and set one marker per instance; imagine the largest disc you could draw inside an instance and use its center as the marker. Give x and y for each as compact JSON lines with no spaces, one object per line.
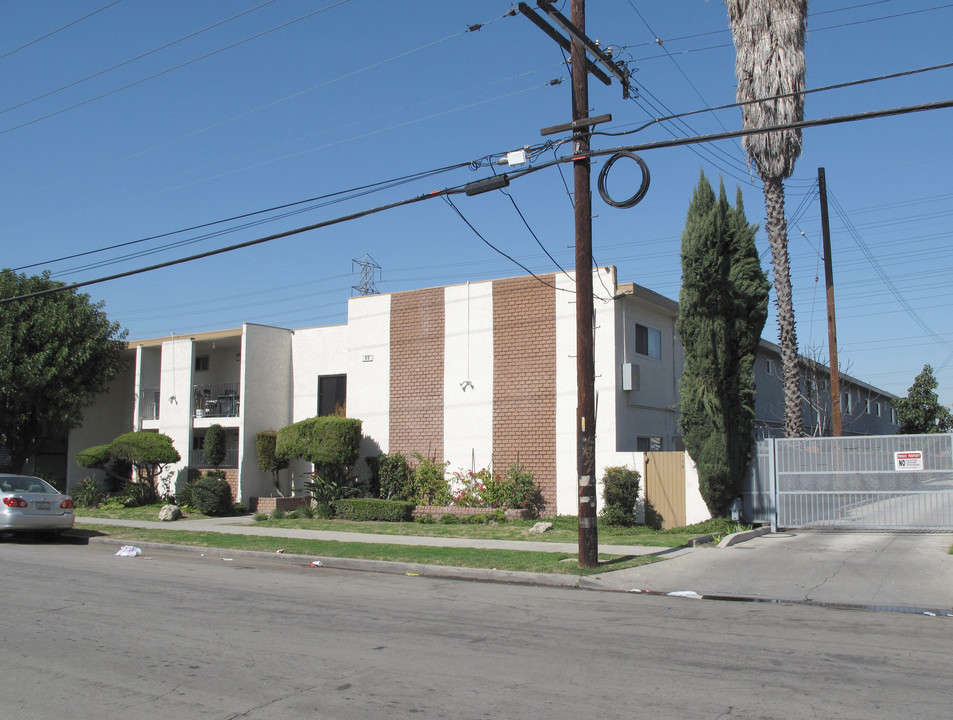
{"x":899,"y":571}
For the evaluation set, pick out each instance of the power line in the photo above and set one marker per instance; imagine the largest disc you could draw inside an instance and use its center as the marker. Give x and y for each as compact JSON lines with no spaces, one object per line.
{"x":181,"y":65}
{"x":59,"y":29}
{"x":678,"y":142}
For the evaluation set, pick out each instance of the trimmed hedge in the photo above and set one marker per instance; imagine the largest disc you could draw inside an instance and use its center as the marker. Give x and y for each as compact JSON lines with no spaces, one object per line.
{"x":211,"y":494}
{"x":327,"y":440}
{"x":373,"y":509}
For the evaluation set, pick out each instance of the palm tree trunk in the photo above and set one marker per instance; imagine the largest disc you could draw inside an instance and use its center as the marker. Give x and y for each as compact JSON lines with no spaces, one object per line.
{"x":777,"y":228}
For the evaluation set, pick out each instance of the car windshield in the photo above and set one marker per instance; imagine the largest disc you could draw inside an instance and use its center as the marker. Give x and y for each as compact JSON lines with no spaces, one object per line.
{"x":26,"y":484}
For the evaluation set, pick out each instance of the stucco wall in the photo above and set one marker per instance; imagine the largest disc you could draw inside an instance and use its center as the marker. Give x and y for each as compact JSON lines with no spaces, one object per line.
{"x":368,"y":371}
{"x":468,"y":376}
{"x":266,"y":400}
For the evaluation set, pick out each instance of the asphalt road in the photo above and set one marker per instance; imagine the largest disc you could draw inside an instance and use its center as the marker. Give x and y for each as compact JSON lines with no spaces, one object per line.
{"x":175,"y":634}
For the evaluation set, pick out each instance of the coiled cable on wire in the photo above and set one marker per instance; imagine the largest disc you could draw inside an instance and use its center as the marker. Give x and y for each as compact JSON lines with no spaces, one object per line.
{"x":639,"y":194}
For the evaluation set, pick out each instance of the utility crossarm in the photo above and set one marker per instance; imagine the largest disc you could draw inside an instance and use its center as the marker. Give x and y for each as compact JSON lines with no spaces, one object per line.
{"x":561,"y":41}
{"x":616,"y":69}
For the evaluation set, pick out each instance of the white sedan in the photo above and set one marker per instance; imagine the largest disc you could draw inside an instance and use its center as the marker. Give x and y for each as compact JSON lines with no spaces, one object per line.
{"x":31,"y":504}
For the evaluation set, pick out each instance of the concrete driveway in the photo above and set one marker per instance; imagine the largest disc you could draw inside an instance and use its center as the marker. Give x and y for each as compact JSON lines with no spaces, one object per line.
{"x":907,"y":570}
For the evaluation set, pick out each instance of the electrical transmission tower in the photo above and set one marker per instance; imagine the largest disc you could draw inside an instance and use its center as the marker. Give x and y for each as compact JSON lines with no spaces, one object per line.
{"x":369,"y":271}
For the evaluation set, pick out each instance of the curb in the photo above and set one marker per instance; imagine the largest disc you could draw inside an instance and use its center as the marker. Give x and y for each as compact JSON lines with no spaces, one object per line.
{"x":738,"y":537}
{"x":448,"y":572}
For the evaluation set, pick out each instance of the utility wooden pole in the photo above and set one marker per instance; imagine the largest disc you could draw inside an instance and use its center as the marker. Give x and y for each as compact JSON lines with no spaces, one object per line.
{"x":585,"y":353}
{"x":831,"y":321}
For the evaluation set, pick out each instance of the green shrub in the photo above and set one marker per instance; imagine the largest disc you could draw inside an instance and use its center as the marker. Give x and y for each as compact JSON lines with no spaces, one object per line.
{"x":278,"y":514}
{"x":474,"y":519}
{"x":307,"y":511}
{"x":331,"y":443}
{"x":374,"y":509}
{"x":137,"y":494}
{"x":261,"y":517}
{"x":239,"y":509}
{"x":450,"y":519}
{"x":396,"y":478}
{"x":496,"y":516}
{"x":212,"y":495}
{"x":183,"y":494}
{"x":116,"y":502}
{"x":425,"y":520}
{"x":294,"y":514}
{"x":213,"y":446}
{"x":621,"y":494}
{"x":86,"y":493}
{"x":430,"y":482}
{"x":268,"y":460}
{"x":524,"y":494}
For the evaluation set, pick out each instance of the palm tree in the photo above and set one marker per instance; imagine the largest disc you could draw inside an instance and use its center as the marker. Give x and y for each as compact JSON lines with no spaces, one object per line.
{"x":769,"y":61}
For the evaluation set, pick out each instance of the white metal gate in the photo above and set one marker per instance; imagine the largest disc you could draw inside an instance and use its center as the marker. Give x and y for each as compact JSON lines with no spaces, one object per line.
{"x":885,"y":482}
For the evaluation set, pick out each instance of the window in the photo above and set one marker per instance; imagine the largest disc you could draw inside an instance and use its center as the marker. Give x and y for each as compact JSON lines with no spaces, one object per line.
{"x":893,"y":416}
{"x":648,"y":342}
{"x":201,"y":363}
{"x":332,"y":394}
{"x":648,"y":444}
{"x":768,"y":366}
{"x":877,"y":407}
{"x":846,"y":406}
{"x":867,"y":406}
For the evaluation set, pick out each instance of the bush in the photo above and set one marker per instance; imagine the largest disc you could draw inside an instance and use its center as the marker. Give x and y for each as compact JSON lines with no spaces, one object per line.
{"x":497,"y":516}
{"x":621,"y":494}
{"x":183,"y":494}
{"x":86,"y":493}
{"x":261,"y":517}
{"x":239,"y":509}
{"x":278,"y":514}
{"x":331,"y":443}
{"x":430,"y":482}
{"x":213,"y":447}
{"x":425,"y":520}
{"x":449,"y":519}
{"x":396,"y":478}
{"x":373,"y":509}
{"x":523,"y":492}
{"x":116,"y":502}
{"x":474,"y":519}
{"x":212,"y":495}
{"x":137,"y":494}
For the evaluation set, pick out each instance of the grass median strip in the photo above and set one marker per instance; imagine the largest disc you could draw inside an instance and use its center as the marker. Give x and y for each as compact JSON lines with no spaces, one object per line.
{"x":519,"y":560}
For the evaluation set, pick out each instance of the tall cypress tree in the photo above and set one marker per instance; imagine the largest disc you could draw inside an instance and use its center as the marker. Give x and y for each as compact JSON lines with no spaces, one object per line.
{"x":723,"y":305}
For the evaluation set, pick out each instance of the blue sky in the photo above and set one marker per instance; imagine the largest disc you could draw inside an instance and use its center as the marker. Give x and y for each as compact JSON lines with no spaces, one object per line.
{"x":131,"y":119}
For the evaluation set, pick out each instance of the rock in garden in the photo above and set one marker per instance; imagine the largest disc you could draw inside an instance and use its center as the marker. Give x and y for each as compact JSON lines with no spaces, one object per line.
{"x":541,"y":527}
{"x":170,"y":512}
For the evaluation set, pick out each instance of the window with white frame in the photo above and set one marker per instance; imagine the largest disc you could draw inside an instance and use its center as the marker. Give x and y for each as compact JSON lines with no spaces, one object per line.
{"x":768,"y":366}
{"x":648,"y":342}
{"x":877,"y":408}
{"x":846,"y":405}
{"x":893,"y":416}
{"x":867,"y":406}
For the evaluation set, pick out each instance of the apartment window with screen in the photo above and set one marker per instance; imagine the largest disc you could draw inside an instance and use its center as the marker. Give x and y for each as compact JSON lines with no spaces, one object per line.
{"x":332,"y":394}
{"x":846,"y":404}
{"x":201,"y":363}
{"x":648,"y":342}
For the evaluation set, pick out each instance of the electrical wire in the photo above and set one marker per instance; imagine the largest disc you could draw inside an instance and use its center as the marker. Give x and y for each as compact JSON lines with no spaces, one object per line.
{"x":70,"y":24}
{"x":181,"y":65}
{"x":133,"y":59}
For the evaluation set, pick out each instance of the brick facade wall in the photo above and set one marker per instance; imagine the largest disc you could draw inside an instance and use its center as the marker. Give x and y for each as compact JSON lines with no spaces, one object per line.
{"x":416,"y":372}
{"x":524,"y":380}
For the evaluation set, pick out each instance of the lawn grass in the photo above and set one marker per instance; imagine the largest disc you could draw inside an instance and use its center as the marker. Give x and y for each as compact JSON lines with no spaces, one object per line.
{"x":518,"y":560}
{"x":144,"y":512}
{"x":564,"y":530}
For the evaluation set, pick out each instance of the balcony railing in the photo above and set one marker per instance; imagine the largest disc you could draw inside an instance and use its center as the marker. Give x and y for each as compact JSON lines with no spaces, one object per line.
{"x":149,"y":403}
{"x":216,"y":400}
{"x":197,"y":459}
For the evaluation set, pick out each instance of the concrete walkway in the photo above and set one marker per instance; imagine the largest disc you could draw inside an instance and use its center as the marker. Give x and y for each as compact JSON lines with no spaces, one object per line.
{"x":894,"y":571}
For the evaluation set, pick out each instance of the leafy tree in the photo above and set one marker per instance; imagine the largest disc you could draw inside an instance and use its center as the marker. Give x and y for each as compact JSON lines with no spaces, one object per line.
{"x":213,"y":446}
{"x":722,"y":309}
{"x":920,"y":411}
{"x":769,"y":62}
{"x":268,"y":460}
{"x":620,"y":491}
{"x":57,"y":352}
{"x":148,"y":452}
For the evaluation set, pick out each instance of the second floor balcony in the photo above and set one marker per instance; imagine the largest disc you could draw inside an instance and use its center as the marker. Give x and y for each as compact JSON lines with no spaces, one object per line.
{"x":216,"y":400}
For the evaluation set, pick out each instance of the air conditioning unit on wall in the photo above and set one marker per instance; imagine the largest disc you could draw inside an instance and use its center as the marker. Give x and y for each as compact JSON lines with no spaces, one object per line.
{"x":630,"y":376}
